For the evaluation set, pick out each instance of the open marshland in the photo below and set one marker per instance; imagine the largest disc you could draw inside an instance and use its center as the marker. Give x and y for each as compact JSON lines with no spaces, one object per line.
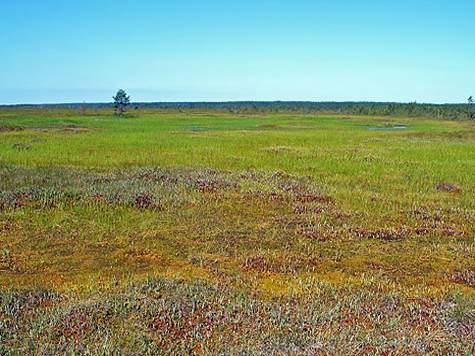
{"x":193,"y":232}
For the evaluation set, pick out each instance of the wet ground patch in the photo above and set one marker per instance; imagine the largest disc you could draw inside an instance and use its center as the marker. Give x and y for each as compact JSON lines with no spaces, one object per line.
{"x":20,"y":146}
{"x":386,"y":127}
{"x":10,"y":128}
{"x":61,"y":128}
{"x":283,"y":127}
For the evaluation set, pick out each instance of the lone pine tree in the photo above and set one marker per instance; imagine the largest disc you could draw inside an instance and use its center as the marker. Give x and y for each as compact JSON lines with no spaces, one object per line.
{"x":121,"y":101}
{"x":470,"y":107}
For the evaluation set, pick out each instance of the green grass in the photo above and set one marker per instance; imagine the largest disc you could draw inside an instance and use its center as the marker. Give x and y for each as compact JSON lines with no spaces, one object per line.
{"x":255,"y":207}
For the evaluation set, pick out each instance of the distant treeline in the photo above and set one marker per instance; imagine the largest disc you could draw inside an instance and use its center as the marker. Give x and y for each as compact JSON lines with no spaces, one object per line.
{"x":449,"y":111}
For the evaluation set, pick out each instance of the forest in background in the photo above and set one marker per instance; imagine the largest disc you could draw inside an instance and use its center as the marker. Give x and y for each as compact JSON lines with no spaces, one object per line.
{"x":413,"y":109}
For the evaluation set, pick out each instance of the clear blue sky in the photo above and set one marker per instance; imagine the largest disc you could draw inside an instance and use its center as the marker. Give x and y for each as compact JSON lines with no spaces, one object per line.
{"x":214,"y":50}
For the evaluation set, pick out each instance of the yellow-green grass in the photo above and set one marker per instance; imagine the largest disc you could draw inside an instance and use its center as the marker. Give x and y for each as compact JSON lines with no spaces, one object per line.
{"x":260,"y":204}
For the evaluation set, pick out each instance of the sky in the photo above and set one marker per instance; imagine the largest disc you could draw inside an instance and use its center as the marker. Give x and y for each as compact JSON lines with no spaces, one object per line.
{"x":221,"y":50}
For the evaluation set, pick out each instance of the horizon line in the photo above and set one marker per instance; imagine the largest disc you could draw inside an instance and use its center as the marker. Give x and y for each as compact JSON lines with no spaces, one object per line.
{"x":226,"y":102}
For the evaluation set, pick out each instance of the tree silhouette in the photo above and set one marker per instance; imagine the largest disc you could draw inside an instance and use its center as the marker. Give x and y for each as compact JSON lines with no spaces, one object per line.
{"x":121,"y":101}
{"x":470,"y":107}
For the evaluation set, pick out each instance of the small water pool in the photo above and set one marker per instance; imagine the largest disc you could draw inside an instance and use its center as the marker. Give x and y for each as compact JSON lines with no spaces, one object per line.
{"x":389,"y":127}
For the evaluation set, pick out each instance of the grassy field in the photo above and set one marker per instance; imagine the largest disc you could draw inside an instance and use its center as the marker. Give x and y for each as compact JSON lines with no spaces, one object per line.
{"x":192,"y":232}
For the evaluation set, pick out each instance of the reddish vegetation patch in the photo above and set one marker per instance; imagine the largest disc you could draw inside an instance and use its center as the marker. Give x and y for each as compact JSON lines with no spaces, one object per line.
{"x":267,"y":126}
{"x":319,"y":234}
{"x":449,"y":232}
{"x":208,"y":185}
{"x":305,"y":209}
{"x":189,"y":325}
{"x":144,"y":201}
{"x":426,"y":215}
{"x":73,"y":325}
{"x":99,"y":198}
{"x":448,"y":187}
{"x":260,"y":264}
{"x":303,"y":122}
{"x":281,"y":174}
{"x":422,"y":231}
{"x":273,"y":196}
{"x":314,"y":197}
{"x":77,"y":324}
{"x":463,"y":276}
{"x":28,"y":301}
{"x":348,"y":316}
{"x":15,"y":201}
{"x":147,"y":254}
{"x":7,"y":225}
